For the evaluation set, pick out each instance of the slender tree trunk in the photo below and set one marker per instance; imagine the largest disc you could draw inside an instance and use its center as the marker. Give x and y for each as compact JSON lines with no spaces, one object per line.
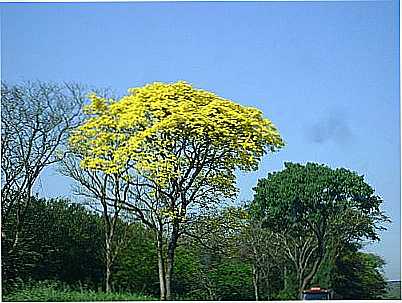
{"x":267,"y":283}
{"x":108,"y":265}
{"x":285,"y":277}
{"x":20,"y":212}
{"x":255,"y":282}
{"x":108,"y":246}
{"x":161,"y":267}
{"x":302,"y":282}
{"x":170,"y":261}
{"x":169,"y":273}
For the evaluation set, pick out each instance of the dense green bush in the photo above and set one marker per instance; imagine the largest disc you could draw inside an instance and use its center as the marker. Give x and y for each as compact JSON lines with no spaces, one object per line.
{"x":136,"y":268}
{"x":358,"y":276}
{"x":59,"y":240}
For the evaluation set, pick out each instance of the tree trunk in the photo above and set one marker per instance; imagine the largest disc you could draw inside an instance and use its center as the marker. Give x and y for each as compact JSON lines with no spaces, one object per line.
{"x":108,"y":265}
{"x":255,"y":282}
{"x":108,"y":246}
{"x":267,"y":283}
{"x":306,"y":280}
{"x":302,"y":282}
{"x":161,"y":267}
{"x":285,"y":277}
{"x":170,"y":260}
{"x":18,"y":225}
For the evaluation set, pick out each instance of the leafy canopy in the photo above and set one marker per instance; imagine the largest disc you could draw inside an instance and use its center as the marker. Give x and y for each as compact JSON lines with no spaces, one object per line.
{"x":170,"y":133}
{"x":315,"y":197}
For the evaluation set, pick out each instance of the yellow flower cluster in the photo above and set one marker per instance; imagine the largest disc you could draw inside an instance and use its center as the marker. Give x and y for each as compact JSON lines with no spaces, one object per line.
{"x":147,"y":127}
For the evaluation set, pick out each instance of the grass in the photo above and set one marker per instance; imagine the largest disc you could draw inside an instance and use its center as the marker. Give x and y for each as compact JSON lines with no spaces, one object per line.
{"x":55,"y":292}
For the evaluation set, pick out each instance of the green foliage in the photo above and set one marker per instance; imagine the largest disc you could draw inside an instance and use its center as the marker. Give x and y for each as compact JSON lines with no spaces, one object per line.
{"x":289,"y":290}
{"x":301,"y":195}
{"x":359,"y":275}
{"x":233,"y":280}
{"x":257,"y":245}
{"x":63,"y":241}
{"x":201,"y":274}
{"x":59,"y":240}
{"x":315,"y":212}
{"x":136,"y":268}
{"x":286,"y":295}
{"x":211,"y":266}
{"x":189,"y":276}
{"x":73,"y":238}
{"x":52,"y":291}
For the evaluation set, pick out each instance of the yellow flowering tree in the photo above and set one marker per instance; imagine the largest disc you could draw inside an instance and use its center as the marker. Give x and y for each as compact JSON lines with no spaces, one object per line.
{"x":178,"y":147}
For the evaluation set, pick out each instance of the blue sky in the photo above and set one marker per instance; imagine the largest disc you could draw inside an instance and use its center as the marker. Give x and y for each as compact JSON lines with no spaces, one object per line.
{"x":326,"y":73}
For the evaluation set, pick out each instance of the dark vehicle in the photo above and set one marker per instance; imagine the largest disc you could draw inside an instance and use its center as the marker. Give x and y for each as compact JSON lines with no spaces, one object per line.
{"x":316,"y":293}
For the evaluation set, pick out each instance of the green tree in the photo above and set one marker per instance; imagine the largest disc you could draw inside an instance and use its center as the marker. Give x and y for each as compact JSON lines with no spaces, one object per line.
{"x":314,"y":211}
{"x":358,"y":276}
{"x":179,"y":148}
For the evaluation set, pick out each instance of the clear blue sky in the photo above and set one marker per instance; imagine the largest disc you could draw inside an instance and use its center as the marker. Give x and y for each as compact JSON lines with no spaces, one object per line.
{"x":326,"y":73}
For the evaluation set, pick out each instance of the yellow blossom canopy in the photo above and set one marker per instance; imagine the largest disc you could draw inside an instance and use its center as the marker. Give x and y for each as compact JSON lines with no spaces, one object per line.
{"x":173,"y":132}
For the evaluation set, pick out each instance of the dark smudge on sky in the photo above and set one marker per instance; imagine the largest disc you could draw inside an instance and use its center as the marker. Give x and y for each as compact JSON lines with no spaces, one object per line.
{"x":334,"y":127}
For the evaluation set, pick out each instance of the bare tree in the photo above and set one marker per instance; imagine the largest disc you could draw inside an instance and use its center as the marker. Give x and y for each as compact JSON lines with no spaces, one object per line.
{"x":104,"y":193}
{"x":36,"y":118}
